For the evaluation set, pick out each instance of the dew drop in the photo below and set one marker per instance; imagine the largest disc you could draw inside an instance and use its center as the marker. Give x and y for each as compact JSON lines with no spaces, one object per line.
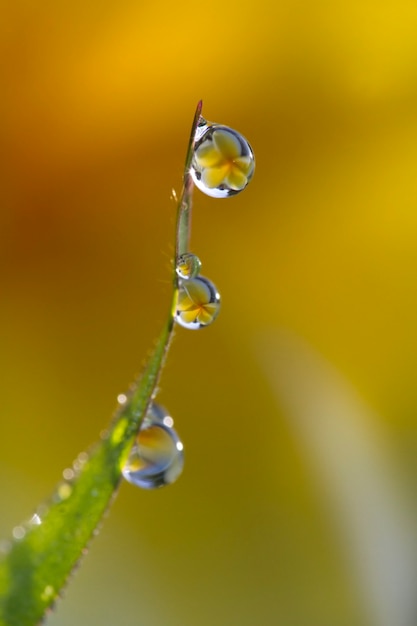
{"x":202,"y":126}
{"x":68,"y":473}
{"x":223,"y":162}
{"x":18,"y":532}
{"x":156,"y":458}
{"x":122,"y":399}
{"x":35,"y":520}
{"x":188,"y":266}
{"x":82,"y":458}
{"x":198,"y":303}
{"x":79,"y":462}
{"x":63,"y":492}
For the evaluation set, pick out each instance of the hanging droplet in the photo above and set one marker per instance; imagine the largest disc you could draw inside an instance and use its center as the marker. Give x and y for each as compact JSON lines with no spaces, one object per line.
{"x":188,"y":266}
{"x":223,"y":162}
{"x":157,"y":457}
{"x":198,"y":303}
{"x":201,"y":128}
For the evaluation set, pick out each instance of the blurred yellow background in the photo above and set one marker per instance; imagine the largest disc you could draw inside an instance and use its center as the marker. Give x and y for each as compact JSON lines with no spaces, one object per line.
{"x":297,"y":408}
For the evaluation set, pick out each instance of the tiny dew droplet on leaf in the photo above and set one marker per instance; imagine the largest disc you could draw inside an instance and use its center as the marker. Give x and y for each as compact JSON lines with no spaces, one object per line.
{"x":198,"y":303}
{"x":157,"y":456}
{"x":188,"y":266}
{"x":223,"y":162}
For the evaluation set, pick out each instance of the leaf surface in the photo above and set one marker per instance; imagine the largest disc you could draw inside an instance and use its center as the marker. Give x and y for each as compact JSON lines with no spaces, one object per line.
{"x":36,"y":564}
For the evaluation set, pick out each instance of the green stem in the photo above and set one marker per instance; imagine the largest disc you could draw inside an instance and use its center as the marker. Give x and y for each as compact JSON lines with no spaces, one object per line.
{"x":185,"y":200}
{"x":140,"y":398}
{"x":40,"y":558}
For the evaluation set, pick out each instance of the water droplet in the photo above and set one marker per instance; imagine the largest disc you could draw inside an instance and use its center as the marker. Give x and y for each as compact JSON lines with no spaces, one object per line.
{"x":18,"y":532}
{"x":122,"y":399}
{"x":79,"y":462}
{"x":198,"y":303}
{"x":223,"y":162}
{"x":188,"y":266}
{"x":35,"y":520}
{"x":63,"y":492}
{"x":82,"y":458}
{"x":68,"y":473}
{"x":202,"y":126}
{"x":156,"y":458}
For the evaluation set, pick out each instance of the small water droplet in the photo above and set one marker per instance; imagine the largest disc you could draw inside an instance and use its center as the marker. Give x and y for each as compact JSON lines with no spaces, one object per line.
{"x":156,"y":458}
{"x":223,"y":162}
{"x":63,"y":492}
{"x":35,"y":520}
{"x":82,"y":458}
{"x":18,"y":532}
{"x":198,"y":303}
{"x":68,"y":473}
{"x":201,"y":128}
{"x":79,"y":462}
{"x":122,"y":399}
{"x":188,"y":266}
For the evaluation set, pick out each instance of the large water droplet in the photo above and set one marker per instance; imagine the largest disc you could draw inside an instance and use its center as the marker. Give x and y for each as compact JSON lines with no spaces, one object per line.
{"x":198,"y":303}
{"x":157,"y":457}
{"x":223,"y":162}
{"x":188,"y":266}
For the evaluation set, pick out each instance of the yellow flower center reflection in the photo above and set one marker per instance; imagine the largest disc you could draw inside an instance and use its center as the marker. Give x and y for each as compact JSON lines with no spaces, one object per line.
{"x":221,"y":162}
{"x":198,"y":303}
{"x":156,"y":458}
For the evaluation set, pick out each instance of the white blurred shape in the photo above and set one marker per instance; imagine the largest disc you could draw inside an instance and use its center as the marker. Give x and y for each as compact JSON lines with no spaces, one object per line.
{"x":351,"y":464}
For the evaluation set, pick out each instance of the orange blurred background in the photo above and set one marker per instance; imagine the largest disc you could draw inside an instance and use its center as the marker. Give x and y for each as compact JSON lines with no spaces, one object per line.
{"x":297,"y":408}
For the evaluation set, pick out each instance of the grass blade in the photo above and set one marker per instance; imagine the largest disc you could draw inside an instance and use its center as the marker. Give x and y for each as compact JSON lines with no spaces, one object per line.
{"x":44,"y":551}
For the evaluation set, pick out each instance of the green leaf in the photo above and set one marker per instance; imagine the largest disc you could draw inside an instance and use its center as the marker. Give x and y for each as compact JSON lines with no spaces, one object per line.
{"x":39,"y":560}
{"x":37,"y":563}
